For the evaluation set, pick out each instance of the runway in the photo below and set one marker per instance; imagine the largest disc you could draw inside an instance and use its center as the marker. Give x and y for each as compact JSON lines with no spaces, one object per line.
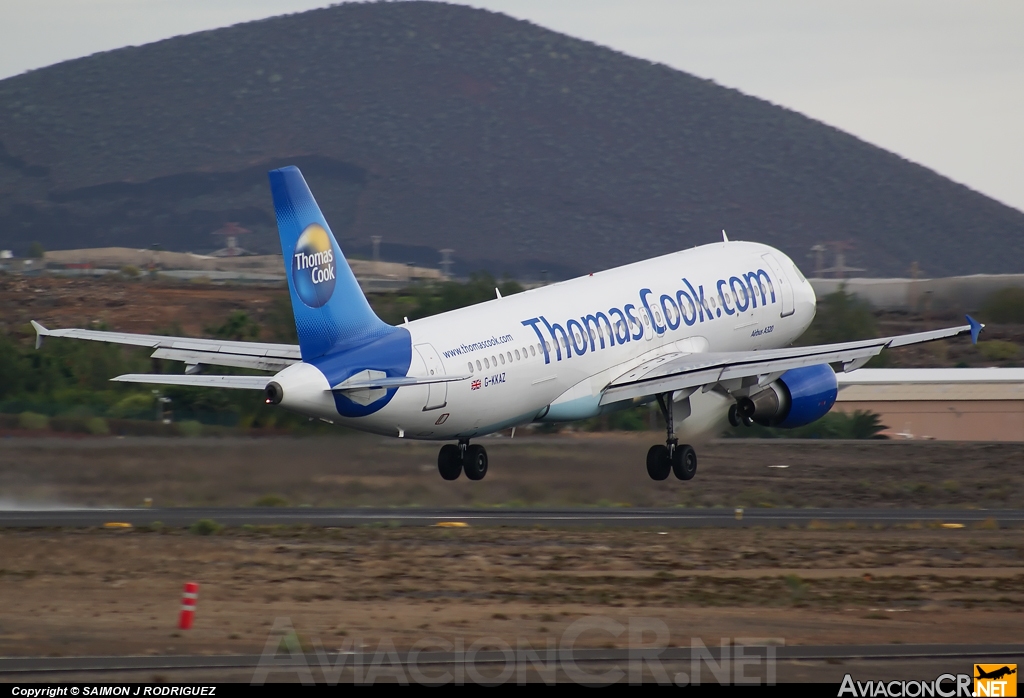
{"x":51,"y":665}
{"x":619,"y":517}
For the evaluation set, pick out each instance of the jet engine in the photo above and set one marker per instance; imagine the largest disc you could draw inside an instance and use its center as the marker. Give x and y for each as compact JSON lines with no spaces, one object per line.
{"x":800,"y":396}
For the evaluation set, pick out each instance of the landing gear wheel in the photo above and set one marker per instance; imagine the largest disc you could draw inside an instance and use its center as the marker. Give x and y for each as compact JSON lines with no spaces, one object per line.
{"x":658,"y":463}
{"x":684,"y":462}
{"x":449,"y":462}
{"x":475,"y":464}
{"x":734,"y":418}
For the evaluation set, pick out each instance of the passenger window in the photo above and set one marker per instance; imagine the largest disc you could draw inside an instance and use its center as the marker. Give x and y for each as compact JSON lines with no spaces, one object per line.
{"x":517,"y":355}
{"x":510,"y":357}
{"x":647,"y":320}
{"x":494,"y":360}
{"x":470,"y":366}
{"x":487,"y":364}
{"x":502,"y":356}
{"x":657,"y":315}
{"x":713,"y":302}
{"x":478,"y":368}
{"x":532,"y":352}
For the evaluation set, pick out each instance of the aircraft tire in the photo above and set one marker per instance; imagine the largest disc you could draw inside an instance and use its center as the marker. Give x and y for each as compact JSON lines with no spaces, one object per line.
{"x":684,"y":462}
{"x":476,"y":462}
{"x":449,"y":462}
{"x":658,"y":463}
{"x":734,"y":418}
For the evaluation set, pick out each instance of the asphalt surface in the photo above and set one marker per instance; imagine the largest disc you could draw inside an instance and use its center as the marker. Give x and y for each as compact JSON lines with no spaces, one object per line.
{"x":38,"y":665}
{"x":623,"y":517}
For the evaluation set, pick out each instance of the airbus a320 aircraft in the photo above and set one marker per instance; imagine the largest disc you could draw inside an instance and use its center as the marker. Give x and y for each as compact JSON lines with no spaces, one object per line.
{"x":705,"y":332}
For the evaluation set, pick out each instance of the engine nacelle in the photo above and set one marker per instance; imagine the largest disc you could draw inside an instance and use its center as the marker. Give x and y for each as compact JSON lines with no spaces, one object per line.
{"x":800,"y":396}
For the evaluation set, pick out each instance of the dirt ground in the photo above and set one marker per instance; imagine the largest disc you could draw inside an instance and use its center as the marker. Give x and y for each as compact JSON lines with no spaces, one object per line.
{"x":562,"y":470}
{"x":108,"y":592}
{"x":95,"y":592}
{"x":124,"y":305}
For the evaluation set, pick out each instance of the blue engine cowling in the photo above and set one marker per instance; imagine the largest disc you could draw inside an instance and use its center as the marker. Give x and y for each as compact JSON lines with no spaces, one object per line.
{"x":800,"y":396}
{"x":812,"y":392}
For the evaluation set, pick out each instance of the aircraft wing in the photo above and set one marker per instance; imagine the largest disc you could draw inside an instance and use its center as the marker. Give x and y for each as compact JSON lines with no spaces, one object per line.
{"x":731,"y":370}
{"x":197,"y":381}
{"x":194,"y":352}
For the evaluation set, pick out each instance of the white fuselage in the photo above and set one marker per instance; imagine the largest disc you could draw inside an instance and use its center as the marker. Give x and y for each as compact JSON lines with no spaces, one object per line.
{"x":529,"y":355}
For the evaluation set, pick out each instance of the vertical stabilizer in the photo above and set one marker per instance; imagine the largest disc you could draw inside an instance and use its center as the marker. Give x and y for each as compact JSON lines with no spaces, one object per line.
{"x":331,"y":312}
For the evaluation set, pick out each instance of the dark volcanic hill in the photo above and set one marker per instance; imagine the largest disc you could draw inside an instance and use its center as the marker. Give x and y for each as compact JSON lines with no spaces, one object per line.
{"x":442,"y":126}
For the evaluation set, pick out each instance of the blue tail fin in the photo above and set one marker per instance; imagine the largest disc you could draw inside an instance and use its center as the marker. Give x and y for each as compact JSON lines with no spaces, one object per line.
{"x":331,"y":312}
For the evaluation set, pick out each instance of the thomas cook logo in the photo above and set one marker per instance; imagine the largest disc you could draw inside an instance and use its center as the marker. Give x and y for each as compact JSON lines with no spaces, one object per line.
{"x":313,"y":266}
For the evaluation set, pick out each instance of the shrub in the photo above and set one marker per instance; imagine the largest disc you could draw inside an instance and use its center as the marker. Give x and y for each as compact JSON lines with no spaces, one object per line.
{"x":628,"y":420}
{"x":1004,"y":306}
{"x":998,"y":350}
{"x":841,"y":317}
{"x":205,"y":527}
{"x":190,"y":427}
{"x":271,"y":500}
{"x":137,"y":406}
{"x":97,"y":426}
{"x":238,"y":327}
{"x":33,"y":420}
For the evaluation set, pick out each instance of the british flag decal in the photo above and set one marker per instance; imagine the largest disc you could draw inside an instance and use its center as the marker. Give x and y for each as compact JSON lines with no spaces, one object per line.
{"x":475,"y":385}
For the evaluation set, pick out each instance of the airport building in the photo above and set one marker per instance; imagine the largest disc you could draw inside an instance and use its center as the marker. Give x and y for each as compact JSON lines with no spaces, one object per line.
{"x":947,"y":404}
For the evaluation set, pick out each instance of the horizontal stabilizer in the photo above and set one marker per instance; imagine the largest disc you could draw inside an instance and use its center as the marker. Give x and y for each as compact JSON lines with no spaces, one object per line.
{"x":362,"y":383}
{"x":238,"y":382}
{"x":287,"y":353}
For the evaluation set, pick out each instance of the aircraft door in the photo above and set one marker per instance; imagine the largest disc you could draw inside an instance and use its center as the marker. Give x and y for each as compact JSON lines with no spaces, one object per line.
{"x":437,"y":393}
{"x":785,"y":285}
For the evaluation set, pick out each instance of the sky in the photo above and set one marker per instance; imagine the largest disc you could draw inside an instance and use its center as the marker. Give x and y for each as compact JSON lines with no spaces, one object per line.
{"x":939,"y":82}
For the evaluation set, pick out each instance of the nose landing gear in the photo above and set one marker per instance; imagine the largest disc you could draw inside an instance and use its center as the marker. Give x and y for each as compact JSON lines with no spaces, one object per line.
{"x":673,"y":457}
{"x":453,"y":460}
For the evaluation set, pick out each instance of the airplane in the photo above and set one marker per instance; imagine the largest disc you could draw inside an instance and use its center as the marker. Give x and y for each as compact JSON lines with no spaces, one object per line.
{"x":995,"y":674}
{"x":704,"y":332}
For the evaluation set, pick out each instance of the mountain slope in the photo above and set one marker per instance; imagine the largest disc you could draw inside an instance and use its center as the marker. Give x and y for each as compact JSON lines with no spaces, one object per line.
{"x":443,"y":126}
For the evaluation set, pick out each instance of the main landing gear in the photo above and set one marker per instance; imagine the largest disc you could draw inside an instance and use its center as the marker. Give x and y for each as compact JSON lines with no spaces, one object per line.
{"x":673,"y":457}
{"x":452,"y":460}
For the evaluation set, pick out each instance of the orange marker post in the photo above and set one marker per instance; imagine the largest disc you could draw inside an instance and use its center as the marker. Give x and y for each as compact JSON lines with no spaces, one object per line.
{"x":188,"y":605}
